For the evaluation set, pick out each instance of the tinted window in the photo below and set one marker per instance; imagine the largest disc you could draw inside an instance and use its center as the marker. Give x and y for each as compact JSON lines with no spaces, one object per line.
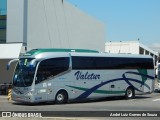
{"x":23,"y":75}
{"x":83,"y":62}
{"x":51,"y":67}
{"x":111,"y":63}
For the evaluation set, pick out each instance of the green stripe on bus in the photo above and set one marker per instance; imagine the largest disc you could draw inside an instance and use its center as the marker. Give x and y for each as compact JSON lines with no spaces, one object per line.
{"x":38,"y":51}
{"x":98,"y":91}
{"x":143,"y":71}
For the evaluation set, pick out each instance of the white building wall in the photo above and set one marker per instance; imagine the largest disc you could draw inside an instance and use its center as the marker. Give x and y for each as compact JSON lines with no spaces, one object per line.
{"x":134,"y":47}
{"x":131,"y":47}
{"x":15,"y":20}
{"x":122,"y":47}
{"x":84,"y":31}
{"x":53,"y":24}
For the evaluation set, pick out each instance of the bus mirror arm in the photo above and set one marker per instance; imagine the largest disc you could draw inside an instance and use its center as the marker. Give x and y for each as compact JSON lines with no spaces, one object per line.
{"x":33,"y":63}
{"x":9,"y":63}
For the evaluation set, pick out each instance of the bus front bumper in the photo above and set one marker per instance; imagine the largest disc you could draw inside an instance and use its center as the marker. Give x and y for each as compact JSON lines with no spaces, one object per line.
{"x":22,"y":97}
{"x":158,"y":87}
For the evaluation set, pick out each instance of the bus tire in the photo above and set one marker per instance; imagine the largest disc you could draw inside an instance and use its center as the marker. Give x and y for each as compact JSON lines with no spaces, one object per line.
{"x":130,"y":93}
{"x":61,"y":97}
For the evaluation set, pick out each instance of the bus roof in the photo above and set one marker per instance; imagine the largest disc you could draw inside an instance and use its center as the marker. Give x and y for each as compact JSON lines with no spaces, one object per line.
{"x":38,"y":51}
{"x":76,"y":52}
{"x":111,"y":55}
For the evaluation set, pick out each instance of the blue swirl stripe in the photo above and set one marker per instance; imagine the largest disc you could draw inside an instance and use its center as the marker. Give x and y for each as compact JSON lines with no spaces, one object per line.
{"x":89,"y":91}
{"x":124,"y":78}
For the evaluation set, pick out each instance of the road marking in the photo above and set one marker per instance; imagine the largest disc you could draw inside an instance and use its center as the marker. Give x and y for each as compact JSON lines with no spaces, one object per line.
{"x":156,"y":100}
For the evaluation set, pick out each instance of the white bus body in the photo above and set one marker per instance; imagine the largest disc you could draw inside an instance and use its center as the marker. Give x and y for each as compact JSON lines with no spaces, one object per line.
{"x":43,"y":75}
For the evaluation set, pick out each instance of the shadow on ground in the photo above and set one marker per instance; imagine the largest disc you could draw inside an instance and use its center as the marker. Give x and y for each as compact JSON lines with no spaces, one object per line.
{"x":82,"y":101}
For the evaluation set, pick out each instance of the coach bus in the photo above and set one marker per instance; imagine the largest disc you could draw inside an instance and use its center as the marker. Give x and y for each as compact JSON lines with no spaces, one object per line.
{"x":158,"y":76}
{"x":64,"y":75}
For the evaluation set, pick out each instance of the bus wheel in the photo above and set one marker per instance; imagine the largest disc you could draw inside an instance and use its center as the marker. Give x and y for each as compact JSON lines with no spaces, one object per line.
{"x":130,"y":94}
{"x":61,"y":97}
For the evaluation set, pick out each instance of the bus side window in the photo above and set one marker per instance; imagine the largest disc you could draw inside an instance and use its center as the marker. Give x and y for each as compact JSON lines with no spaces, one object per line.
{"x":51,"y":67}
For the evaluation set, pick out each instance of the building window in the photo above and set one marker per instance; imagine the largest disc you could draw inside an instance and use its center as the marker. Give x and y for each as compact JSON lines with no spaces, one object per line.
{"x":3,"y":11}
{"x":141,"y":51}
{"x":2,"y":28}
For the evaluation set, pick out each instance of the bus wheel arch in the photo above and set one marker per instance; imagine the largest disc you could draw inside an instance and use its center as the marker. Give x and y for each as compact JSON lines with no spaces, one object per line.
{"x":130,"y":93}
{"x":61,"y":97}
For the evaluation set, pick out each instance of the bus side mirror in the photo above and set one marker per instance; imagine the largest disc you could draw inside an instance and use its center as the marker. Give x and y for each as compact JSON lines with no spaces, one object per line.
{"x":9,"y":63}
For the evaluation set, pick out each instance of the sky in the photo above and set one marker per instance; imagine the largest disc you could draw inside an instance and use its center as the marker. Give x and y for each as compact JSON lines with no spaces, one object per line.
{"x":124,"y":20}
{"x":3,"y":6}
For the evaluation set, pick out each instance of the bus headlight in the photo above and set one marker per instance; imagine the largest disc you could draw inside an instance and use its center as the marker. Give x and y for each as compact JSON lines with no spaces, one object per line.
{"x":29,"y":93}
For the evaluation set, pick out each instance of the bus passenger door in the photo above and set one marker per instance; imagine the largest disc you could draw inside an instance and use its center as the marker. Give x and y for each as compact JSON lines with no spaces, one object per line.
{"x":40,"y":89}
{"x":50,"y":70}
{"x":40,"y":83}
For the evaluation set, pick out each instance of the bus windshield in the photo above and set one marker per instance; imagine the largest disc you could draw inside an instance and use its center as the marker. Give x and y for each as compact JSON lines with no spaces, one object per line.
{"x":24,"y":74}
